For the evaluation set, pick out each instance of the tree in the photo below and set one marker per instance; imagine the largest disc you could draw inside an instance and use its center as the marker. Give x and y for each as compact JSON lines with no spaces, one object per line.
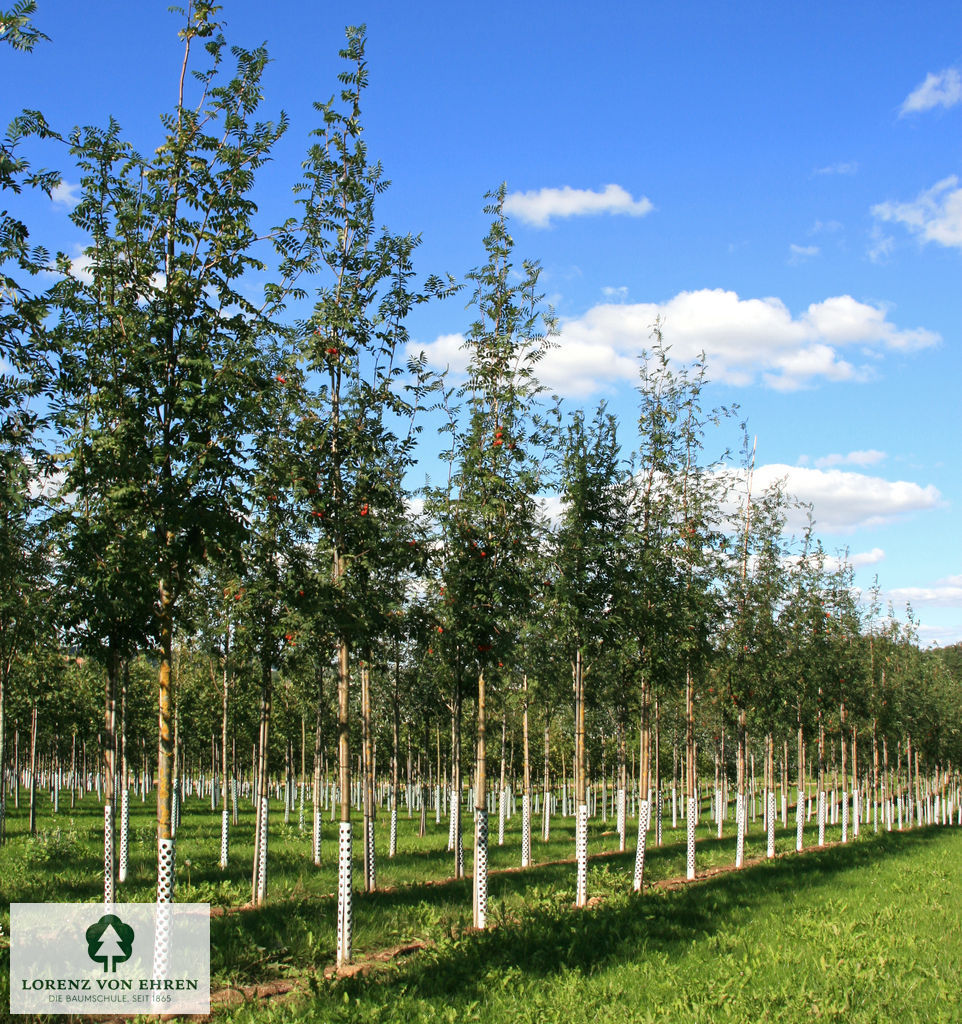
{"x":162,"y":323}
{"x":589,"y":551}
{"x":488,"y":511}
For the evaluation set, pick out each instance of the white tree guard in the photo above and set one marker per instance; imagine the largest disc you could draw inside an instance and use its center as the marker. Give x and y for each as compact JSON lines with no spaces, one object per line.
{"x":392,"y":842}
{"x":345,"y":910}
{"x":108,"y":852}
{"x":658,"y":818}
{"x":316,"y":837}
{"x":481,"y":868}
{"x":690,"y":844}
{"x":770,"y":823}
{"x":162,"y":931}
{"x":741,"y":814}
{"x":371,"y":863}
{"x":799,"y":822}
{"x":124,"y":835}
{"x":644,"y":818}
{"x":262,"y":853}
{"x":581,"y":854}
{"x":224,"y":836}
{"x":719,"y":817}
{"x":300,"y":821}
{"x":621,"y":818}
{"x":165,"y":870}
{"x":845,"y":816}
{"x":452,"y":825}
{"x":459,"y":842}
{"x":821,"y":818}
{"x":437,"y":805}
{"x":674,"y":807}
{"x":174,"y":811}
{"x":502,"y":810}
{"x":525,"y":830}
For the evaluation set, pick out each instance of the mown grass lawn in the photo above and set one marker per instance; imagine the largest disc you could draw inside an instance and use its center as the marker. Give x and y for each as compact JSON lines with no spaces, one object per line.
{"x":867,"y":932}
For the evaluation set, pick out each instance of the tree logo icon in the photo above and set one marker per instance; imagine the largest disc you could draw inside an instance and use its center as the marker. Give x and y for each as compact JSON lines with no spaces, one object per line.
{"x":109,"y":942}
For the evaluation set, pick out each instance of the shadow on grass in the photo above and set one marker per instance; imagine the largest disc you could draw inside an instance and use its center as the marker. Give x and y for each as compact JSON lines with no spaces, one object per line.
{"x":548,"y":939}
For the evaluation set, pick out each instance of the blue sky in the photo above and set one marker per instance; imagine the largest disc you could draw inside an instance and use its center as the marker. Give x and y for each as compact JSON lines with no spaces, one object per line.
{"x":782,"y":184}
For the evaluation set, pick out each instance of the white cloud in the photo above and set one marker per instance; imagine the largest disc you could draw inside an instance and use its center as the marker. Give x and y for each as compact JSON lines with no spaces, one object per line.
{"x":65,"y":193}
{"x":844,"y":501}
{"x":868,"y":457}
{"x":800,"y":253}
{"x":935,"y":214}
{"x":941,"y":636}
{"x":845,"y":167}
{"x":825,"y":226}
{"x":621,"y":292}
{"x":943,"y":594}
{"x":538,"y":207}
{"x":445,"y":351}
{"x":872,"y":557}
{"x":746,"y":341}
{"x":881,"y":245}
{"x":942,"y":89}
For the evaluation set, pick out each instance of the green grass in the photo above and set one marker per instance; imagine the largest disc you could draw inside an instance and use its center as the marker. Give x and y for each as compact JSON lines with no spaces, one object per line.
{"x":870,"y":931}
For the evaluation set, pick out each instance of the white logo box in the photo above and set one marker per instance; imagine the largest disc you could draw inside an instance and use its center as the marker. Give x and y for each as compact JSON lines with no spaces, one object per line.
{"x":104,"y":958}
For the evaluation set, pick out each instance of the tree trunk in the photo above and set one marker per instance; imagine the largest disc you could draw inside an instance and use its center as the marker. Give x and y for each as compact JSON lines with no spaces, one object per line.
{"x":644,"y":786}
{"x":800,"y":806}
{"x":690,"y":772}
{"x":259,"y":881}
{"x":110,"y":772}
{"x":480,"y":887}
{"x":546,"y":783}
{"x":395,"y":755}
{"x":318,"y":748}
{"x":345,"y":907}
{"x":367,"y":762}
{"x":581,"y":805}
{"x":224,"y":812}
{"x":502,"y":795}
{"x":165,"y":755}
{"x":741,"y":809}
{"x":33,"y":770}
{"x":526,"y":793}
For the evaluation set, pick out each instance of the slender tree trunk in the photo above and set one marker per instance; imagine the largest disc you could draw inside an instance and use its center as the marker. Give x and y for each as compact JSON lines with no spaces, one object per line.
{"x":526,"y":794}
{"x":259,"y":882}
{"x":33,"y":770}
{"x":690,"y":772}
{"x":395,"y":755}
{"x":644,"y":784}
{"x":344,"y":889}
{"x":224,"y":812}
{"x":318,"y":749}
{"x":110,"y":774}
{"x":658,"y":800}
{"x":4,"y":669}
{"x":581,"y":805}
{"x":741,"y":811}
{"x":546,"y":783}
{"x":502,"y":794}
{"x":480,"y":887}
{"x":800,"y":806}
{"x":165,"y":754}
{"x":367,"y":762}
{"x":124,"y":784}
{"x":457,"y":840}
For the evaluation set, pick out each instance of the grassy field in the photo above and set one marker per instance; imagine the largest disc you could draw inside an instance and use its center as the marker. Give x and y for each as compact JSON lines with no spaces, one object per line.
{"x":867,"y":932}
